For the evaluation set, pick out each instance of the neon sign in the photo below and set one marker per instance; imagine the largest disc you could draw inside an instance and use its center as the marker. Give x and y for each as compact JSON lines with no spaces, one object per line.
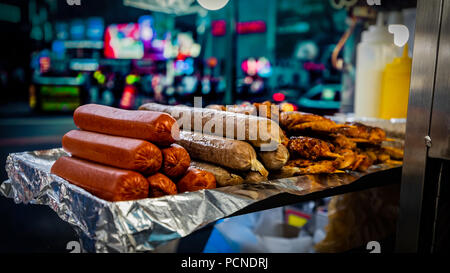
{"x":219,"y":27}
{"x":251,"y":27}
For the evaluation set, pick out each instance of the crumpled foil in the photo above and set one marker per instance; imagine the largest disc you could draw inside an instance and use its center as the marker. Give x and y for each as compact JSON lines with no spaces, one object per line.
{"x":143,"y":225}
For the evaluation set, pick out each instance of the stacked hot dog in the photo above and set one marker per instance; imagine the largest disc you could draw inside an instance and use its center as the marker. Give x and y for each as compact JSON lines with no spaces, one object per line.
{"x":121,"y":155}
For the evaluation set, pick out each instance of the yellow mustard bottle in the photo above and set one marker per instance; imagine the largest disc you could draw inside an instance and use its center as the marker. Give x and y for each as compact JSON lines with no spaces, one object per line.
{"x":395,"y":87}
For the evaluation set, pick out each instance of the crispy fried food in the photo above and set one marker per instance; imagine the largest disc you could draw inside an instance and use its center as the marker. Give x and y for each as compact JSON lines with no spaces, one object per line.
{"x":324,"y":126}
{"x":363,"y":133}
{"x":299,"y":122}
{"x":347,"y":159}
{"x":289,"y":119}
{"x":388,"y":155}
{"x":362,"y":163}
{"x":355,"y":159}
{"x":350,"y":160}
{"x":320,"y":145}
{"x":376,"y":154}
{"x":343,"y":142}
{"x":311,"y":148}
{"x":311,"y":167}
{"x":394,"y":153}
{"x":394,"y":162}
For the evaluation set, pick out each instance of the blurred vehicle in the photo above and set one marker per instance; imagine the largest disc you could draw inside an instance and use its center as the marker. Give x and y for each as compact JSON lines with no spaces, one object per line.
{"x":324,"y":99}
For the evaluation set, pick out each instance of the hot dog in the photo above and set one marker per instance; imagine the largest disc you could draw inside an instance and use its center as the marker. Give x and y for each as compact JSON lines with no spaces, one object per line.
{"x":161,"y":185}
{"x":121,"y":152}
{"x":223,"y":177}
{"x":105,"y":182}
{"x":195,"y":180}
{"x":229,"y":153}
{"x":158,"y":128}
{"x":254,"y":178}
{"x":176,"y":161}
{"x":260,"y":132}
{"x":275,"y":160}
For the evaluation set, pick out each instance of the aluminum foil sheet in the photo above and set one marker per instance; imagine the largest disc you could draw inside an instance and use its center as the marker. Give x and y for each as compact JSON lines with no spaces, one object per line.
{"x":143,"y":225}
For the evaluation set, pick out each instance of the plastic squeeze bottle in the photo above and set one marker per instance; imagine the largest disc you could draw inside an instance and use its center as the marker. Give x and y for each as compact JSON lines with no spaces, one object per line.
{"x":395,"y":87}
{"x":375,"y":50}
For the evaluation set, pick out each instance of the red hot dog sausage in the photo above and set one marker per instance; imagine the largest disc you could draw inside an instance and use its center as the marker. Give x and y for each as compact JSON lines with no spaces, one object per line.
{"x":195,"y":180}
{"x":161,"y":185}
{"x":121,"y":152}
{"x":105,"y":182}
{"x":176,"y":161}
{"x":155,"y":127}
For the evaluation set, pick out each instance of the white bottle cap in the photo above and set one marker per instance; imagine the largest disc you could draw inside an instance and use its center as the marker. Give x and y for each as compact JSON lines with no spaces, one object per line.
{"x":378,"y":33}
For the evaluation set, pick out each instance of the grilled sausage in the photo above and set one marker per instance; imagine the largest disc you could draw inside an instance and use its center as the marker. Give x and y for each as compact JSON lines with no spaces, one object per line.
{"x":260,"y":132}
{"x":121,"y":152}
{"x":176,"y":161}
{"x":195,"y":180}
{"x":254,"y":178}
{"x":275,"y":160}
{"x":158,"y":128}
{"x":161,"y":185}
{"x":108,"y":183}
{"x":223,"y":177}
{"x":228,"y":153}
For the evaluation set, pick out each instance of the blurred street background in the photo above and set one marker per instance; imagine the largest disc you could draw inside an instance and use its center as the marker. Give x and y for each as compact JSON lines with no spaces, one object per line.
{"x":29,"y":228}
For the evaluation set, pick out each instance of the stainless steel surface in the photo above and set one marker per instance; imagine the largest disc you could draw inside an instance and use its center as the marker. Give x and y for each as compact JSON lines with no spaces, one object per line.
{"x":440,"y":118}
{"x":144,"y":225}
{"x":441,"y":235}
{"x":428,"y":24}
{"x":436,"y":208}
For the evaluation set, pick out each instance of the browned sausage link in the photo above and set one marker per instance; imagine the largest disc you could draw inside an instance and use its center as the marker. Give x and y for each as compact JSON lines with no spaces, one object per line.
{"x":275,"y":160}
{"x":228,"y":153}
{"x":161,"y":185}
{"x":223,"y":177}
{"x":176,"y":161}
{"x":121,"y":152}
{"x":195,"y":180}
{"x":260,"y":132}
{"x":105,"y":182}
{"x":155,"y":127}
{"x":254,"y":178}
